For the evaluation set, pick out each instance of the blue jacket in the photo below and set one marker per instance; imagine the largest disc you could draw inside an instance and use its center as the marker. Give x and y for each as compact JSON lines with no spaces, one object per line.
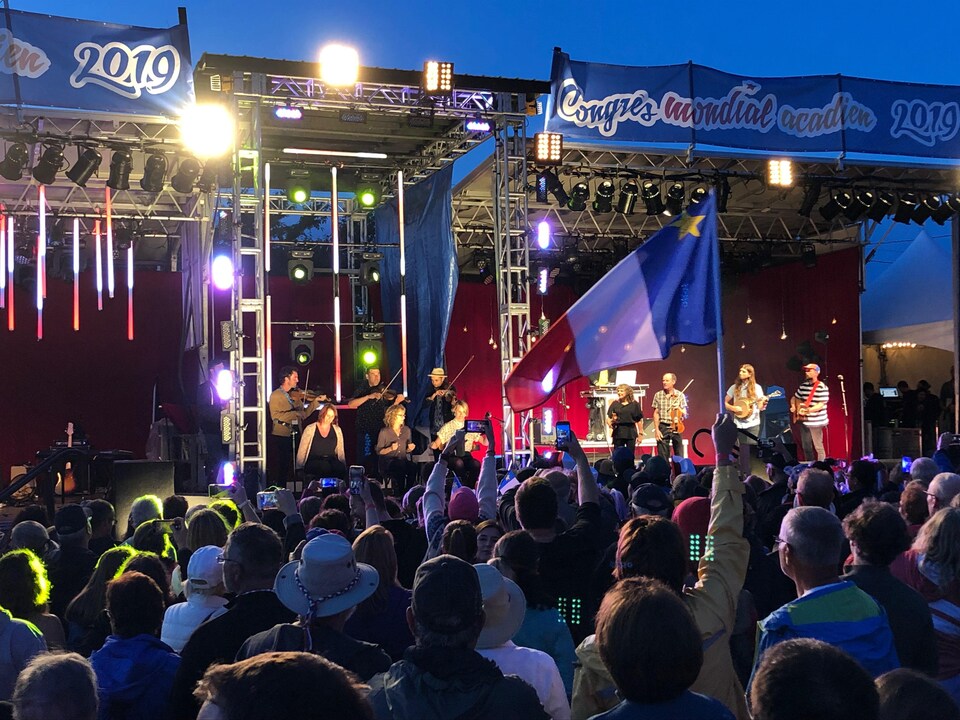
{"x":134,"y":677}
{"x":546,"y":630}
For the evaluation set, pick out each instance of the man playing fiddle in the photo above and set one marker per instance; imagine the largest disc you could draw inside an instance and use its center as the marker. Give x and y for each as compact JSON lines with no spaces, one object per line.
{"x":371,"y":401}
{"x":287,"y":410}
{"x":669,"y":411}
{"x":437,"y":408}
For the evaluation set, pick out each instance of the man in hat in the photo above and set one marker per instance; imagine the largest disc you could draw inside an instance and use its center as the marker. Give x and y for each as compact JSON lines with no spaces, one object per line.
{"x":809,"y":405}
{"x":75,"y":563}
{"x":323,"y":588}
{"x":437,"y":408}
{"x":443,"y":676}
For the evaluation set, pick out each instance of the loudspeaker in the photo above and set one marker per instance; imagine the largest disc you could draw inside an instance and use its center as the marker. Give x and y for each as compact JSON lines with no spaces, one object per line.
{"x":133,"y":478}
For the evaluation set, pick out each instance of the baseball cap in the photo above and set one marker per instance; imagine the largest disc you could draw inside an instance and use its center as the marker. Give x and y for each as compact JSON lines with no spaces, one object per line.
{"x":70,"y":519}
{"x":812,"y":366}
{"x":205,"y":569}
{"x":446,"y":595}
{"x":652,"y":500}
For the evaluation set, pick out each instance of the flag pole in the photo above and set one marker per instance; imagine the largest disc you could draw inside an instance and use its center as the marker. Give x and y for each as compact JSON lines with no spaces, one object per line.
{"x":715,"y":249}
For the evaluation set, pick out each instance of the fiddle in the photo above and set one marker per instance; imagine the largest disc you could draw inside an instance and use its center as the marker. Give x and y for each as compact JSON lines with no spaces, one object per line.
{"x":307,"y":396}
{"x":676,"y":420}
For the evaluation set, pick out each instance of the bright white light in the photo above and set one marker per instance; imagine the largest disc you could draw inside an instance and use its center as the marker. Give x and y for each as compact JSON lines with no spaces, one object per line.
{"x":780,"y":173}
{"x":548,"y":381}
{"x":221,"y":272}
{"x":335,"y":153}
{"x":543,"y":234}
{"x":339,"y":65}
{"x":227,"y":474}
{"x":207,"y":130}
{"x":224,"y":384}
{"x":288,"y":113}
{"x":543,"y":280}
{"x":548,"y":421}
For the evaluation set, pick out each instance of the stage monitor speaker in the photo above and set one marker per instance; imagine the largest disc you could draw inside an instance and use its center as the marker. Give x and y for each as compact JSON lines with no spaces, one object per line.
{"x":540,"y":437}
{"x":133,"y":478}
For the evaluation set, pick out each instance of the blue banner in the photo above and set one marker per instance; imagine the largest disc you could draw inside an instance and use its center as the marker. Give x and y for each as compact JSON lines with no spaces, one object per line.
{"x":690,"y":106}
{"x":49,"y":62}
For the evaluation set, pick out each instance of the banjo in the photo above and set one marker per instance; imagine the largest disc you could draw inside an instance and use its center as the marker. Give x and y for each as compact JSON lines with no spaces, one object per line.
{"x":744,"y":406}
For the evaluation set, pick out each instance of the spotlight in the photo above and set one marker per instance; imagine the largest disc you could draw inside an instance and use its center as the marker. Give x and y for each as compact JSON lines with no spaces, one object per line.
{"x":285,"y":112}
{"x":154,"y":170}
{"x":369,"y":352}
{"x":302,"y":346}
{"x":339,"y":65}
{"x":14,"y":161}
{"x":675,"y":197}
{"x":808,"y":254}
{"x":906,"y":208}
{"x":837,"y":204}
{"x":221,"y":272}
{"x":554,"y":186}
{"x":949,"y":207}
{"x":224,"y":384}
{"x":207,"y":130}
{"x":543,"y":234}
{"x":370,"y":273}
{"x":298,"y":186}
{"x":579,"y":196}
{"x":548,"y":148}
{"x":859,"y":204}
{"x":603,"y":200}
{"x":627,"y":200}
{"x":46,"y":169}
{"x":926,"y":208}
{"x":543,"y":280}
{"x":780,"y":173}
{"x":368,"y":197}
{"x":438,"y":77}
{"x":208,"y":179}
{"x":811,"y":193}
{"x":300,"y":266}
{"x":186,"y":176}
{"x":650,"y":194}
{"x":88,"y":162}
{"x":120,"y":166}
{"x":479,"y":125}
{"x":882,"y":206}
{"x":697,"y":196}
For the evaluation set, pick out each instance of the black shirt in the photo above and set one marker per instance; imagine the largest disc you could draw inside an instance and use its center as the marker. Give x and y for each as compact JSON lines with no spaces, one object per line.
{"x":370,"y":414}
{"x":628,"y":415}
{"x":68,"y":576}
{"x":324,"y":447}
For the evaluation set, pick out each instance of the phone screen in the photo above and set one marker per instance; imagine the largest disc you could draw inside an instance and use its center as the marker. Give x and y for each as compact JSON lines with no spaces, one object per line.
{"x":906,"y":463}
{"x":563,"y":435}
{"x":475,"y":426}
{"x":267,"y":500}
{"x":328,"y":482}
{"x":357,"y":476}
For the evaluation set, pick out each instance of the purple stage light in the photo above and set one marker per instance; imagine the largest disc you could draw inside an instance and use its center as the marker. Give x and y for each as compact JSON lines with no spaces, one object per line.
{"x":285,"y":112}
{"x":543,"y":234}
{"x":221,"y":272}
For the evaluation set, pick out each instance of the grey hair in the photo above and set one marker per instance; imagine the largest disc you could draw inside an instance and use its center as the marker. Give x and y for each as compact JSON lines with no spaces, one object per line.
{"x":814,"y":534}
{"x":924,"y":469}
{"x":53,"y":682}
{"x":945,"y":486}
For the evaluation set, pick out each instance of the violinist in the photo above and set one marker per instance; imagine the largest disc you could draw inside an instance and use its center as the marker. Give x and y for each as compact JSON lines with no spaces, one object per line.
{"x":437,"y":408}
{"x":287,"y":410}
{"x":371,"y":401}
{"x":625,"y":418}
{"x":669,"y":412}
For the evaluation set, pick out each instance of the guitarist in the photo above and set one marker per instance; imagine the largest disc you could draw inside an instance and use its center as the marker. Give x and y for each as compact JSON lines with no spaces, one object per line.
{"x":746,"y":388}
{"x":809,"y":408}
{"x":669,"y":412}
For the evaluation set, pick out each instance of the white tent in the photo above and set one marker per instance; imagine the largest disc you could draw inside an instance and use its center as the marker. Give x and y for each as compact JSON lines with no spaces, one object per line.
{"x":912,"y":300}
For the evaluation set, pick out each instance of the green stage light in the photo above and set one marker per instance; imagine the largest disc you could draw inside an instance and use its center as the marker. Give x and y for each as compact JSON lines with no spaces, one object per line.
{"x":298,"y":186}
{"x":369,"y":358}
{"x":368,"y":197}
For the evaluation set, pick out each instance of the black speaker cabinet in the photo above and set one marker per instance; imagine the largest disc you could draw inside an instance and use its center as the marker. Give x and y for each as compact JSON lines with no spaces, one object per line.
{"x":133,"y":478}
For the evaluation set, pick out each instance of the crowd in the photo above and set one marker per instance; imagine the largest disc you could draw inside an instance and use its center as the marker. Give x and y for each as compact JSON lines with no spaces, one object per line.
{"x":620,"y":591}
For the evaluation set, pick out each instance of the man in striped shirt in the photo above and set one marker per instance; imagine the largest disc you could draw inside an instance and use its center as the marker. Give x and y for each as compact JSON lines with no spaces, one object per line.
{"x":811,"y":401}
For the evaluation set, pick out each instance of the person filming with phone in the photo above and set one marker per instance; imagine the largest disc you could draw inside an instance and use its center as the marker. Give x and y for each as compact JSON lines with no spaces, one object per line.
{"x":462,"y":462}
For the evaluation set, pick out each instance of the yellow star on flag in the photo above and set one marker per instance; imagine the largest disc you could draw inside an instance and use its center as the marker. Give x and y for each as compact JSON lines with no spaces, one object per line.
{"x":688,"y":225}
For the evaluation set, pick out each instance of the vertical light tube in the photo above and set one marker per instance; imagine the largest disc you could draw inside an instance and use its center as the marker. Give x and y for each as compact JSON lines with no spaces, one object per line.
{"x":10,"y":247}
{"x":99,"y":260}
{"x":3,"y":261}
{"x":268,"y":349}
{"x":335,"y":222}
{"x":403,"y":284}
{"x":76,"y":273}
{"x":130,"y":292}
{"x":266,"y":217}
{"x":41,"y":264}
{"x":110,"y":279}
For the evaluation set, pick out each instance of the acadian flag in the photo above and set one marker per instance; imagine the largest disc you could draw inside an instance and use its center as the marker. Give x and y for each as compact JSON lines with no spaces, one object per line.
{"x":666,"y":292}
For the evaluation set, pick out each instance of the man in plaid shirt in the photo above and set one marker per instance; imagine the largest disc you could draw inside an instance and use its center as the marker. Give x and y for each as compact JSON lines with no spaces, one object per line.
{"x":669,"y":404}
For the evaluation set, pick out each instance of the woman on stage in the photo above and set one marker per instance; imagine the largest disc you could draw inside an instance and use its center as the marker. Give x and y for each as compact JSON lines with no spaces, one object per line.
{"x":746,"y":395}
{"x":393,"y":451}
{"x":626,"y":418}
{"x":321,"y":448}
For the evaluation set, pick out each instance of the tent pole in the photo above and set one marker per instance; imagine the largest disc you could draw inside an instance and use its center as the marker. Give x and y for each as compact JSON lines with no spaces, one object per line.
{"x":955,"y":238}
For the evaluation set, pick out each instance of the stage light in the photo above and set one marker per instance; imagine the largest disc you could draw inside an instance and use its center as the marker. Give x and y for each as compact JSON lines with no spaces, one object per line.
{"x":227,"y":475}
{"x":811,"y":194}
{"x":186,"y":176}
{"x":808,"y":255}
{"x":120,"y":166}
{"x":49,"y":164}
{"x":543,"y":234}
{"x":207,"y":130}
{"x":284,"y":112}
{"x":859,"y":204}
{"x":302,"y":346}
{"x":882,"y":206}
{"x":438,"y":77}
{"x":478,"y":125}
{"x":541,"y":187}
{"x":221,"y":272}
{"x":370,"y":273}
{"x":369,"y":352}
{"x":603,"y":199}
{"x":300,"y":266}
{"x":88,"y":162}
{"x":298,"y":186}
{"x":154,"y":171}
{"x":339,"y":65}
{"x":579,"y":196}
{"x":780,"y":173}
{"x":650,"y":194}
{"x":949,"y":207}
{"x":627,"y":200}
{"x":838,"y":203}
{"x":926,"y":208}
{"x":14,"y":161}
{"x":208,"y":178}
{"x":224,"y":384}
{"x":906,"y":208}
{"x":554,"y":186}
{"x":548,"y":148}
{"x":368,"y":196}
{"x":543,"y":280}
{"x":675,"y":198}
{"x":697,"y":196}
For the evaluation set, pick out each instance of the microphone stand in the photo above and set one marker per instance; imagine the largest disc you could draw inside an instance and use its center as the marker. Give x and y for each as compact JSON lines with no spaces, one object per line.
{"x":846,"y":419}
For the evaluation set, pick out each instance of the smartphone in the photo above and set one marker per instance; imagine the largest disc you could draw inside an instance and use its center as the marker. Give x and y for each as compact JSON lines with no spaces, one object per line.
{"x":267,"y":500}
{"x":329,"y":483}
{"x":906,"y":463}
{"x":214,"y":490}
{"x":475,"y":426}
{"x":563,"y":435}
{"x":357,"y":475}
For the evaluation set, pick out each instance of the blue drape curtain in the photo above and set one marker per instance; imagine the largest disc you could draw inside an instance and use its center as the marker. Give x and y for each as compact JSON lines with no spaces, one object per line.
{"x":431,"y":280}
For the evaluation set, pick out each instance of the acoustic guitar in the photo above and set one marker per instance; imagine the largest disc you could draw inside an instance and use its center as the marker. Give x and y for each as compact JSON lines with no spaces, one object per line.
{"x":798,"y":411}
{"x":67,"y":484}
{"x":744,"y":406}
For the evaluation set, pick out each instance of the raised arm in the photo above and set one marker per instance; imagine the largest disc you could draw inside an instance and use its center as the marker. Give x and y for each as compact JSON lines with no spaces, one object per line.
{"x":487,"y":484}
{"x":587,"y":488}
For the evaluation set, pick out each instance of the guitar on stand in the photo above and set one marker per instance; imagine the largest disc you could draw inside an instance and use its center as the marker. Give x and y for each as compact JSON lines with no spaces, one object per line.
{"x":744,"y":406}
{"x":67,"y":483}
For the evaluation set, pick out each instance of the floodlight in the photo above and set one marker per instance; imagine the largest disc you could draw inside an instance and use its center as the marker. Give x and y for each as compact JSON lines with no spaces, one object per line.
{"x":603,"y":200}
{"x":339,"y":65}
{"x":88,"y":162}
{"x":697,"y":196}
{"x":298,"y":186}
{"x":221,"y":272}
{"x":154,"y":171}
{"x":49,"y":164}
{"x":839,"y":202}
{"x":370,"y":272}
{"x":208,"y":178}
{"x":548,"y":148}
{"x":627,"y":200}
{"x":224,"y":384}
{"x":949,"y":207}
{"x":543,"y":234}
{"x":120,"y":166}
{"x":207,"y":130}
{"x":860,"y":203}
{"x":14,"y":161}
{"x":302,"y":346}
{"x":300,"y":266}
{"x":285,"y":112}
{"x":543,"y":280}
{"x":579,"y":195}
{"x":882,"y":206}
{"x":926,"y":208}
{"x":478,"y":125}
{"x":780,"y":173}
{"x":186,"y":176}
{"x":553,"y":186}
{"x":438,"y":77}
{"x":541,"y":187}
{"x":369,"y":356}
{"x":811,"y":193}
{"x":675,"y":198}
{"x":650,"y":194}
{"x":906,"y":208}
{"x":368,"y":196}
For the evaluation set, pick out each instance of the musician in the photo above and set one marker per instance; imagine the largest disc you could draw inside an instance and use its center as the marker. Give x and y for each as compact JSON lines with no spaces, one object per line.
{"x":809,"y":405}
{"x":321,"y":448}
{"x":288,"y":414}
{"x":626,"y":418}
{"x":394,"y":445}
{"x":746,"y":388}
{"x":463,"y":463}
{"x":437,"y":407}
{"x":669,"y":408}
{"x":371,"y":406}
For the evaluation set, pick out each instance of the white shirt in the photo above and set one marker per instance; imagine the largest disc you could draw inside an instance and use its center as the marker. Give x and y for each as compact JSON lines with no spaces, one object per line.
{"x":538,"y":670}
{"x":754,"y":417}
{"x":180,"y":620}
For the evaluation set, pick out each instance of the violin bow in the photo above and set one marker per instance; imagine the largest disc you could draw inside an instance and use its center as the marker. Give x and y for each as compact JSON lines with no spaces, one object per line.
{"x":457,"y":376}
{"x":387,"y":386}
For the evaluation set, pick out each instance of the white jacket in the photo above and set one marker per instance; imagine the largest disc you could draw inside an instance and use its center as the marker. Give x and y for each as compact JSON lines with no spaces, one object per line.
{"x":307,"y":440}
{"x":538,"y":670}
{"x":180,"y":620}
